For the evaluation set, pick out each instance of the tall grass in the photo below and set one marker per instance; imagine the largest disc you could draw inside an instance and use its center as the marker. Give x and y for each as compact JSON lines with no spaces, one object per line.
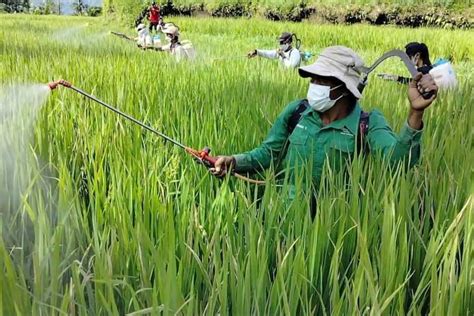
{"x":129,"y":224}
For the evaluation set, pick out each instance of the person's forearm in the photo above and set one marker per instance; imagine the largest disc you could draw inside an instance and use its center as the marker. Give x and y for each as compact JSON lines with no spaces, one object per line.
{"x":271,"y":54}
{"x":415,"y":119}
{"x":257,"y":159}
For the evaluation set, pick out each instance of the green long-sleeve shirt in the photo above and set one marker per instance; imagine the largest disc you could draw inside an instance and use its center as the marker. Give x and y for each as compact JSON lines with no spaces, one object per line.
{"x":311,"y":143}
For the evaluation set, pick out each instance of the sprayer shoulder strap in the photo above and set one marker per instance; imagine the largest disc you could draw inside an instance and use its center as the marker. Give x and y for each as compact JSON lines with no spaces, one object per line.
{"x":296,"y":115}
{"x":362,"y":145}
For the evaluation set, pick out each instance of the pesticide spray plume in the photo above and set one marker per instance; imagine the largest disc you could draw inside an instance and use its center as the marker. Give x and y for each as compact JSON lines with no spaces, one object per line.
{"x":26,"y":181}
{"x":201,"y":156}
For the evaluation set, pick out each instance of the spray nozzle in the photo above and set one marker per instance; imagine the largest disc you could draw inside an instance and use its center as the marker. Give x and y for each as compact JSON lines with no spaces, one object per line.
{"x":54,"y":84}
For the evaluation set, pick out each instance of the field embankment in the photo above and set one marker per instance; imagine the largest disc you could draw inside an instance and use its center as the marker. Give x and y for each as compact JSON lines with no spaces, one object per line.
{"x":444,"y":14}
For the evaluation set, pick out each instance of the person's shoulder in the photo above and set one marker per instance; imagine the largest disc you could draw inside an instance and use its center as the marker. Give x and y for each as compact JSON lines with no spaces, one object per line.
{"x":186,"y":43}
{"x":295,"y":50}
{"x":376,"y":119}
{"x":293,"y":105}
{"x":296,"y":102}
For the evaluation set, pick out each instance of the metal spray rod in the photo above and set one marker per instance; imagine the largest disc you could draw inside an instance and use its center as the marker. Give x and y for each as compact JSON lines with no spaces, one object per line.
{"x":53,"y":85}
{"x":201,"y":156}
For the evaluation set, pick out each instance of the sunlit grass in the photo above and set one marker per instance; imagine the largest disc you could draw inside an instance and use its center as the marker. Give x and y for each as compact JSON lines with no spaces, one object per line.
{"x":115,"y":221}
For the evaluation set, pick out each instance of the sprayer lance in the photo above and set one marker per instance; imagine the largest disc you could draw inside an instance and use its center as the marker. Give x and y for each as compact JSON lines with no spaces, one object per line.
{"x":201,"y":156}
{"x":64,"y":83}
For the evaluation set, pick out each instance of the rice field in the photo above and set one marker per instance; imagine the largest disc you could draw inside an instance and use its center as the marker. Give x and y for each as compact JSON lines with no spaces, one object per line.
{"x":99,"y":217}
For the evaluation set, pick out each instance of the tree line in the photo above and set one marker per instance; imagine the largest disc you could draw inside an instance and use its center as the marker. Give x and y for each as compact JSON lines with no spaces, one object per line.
{"x":80,"y":7}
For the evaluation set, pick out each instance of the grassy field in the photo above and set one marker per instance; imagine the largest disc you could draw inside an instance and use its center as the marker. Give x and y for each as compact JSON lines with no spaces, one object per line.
{"x":99,"y":217}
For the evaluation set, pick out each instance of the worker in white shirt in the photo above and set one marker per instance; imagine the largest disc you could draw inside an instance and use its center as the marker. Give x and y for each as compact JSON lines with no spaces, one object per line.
{"x":289,"y":56}
{"x":143,"y":39}
{"x":180,"y":49}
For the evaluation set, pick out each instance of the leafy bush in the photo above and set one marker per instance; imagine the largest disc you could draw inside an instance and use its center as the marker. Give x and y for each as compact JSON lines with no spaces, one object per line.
{"x":228,"y":8}
{"x":94,"y":11}
{"x":444,"y":14}
{"x":14,"y":6}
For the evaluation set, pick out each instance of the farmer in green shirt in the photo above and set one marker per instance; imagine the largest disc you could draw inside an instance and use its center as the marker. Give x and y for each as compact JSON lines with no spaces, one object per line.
{"x":330,"y":125}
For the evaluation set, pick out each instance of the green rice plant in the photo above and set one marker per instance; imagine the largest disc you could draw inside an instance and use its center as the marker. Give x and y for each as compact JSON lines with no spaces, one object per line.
{"x":112,"y":220}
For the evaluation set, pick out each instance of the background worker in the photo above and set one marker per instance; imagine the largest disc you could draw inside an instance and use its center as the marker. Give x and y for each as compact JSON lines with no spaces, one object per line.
{"x":330,"y":126}
{"x":419,"y":55}
{"x":289,"y":56}
{"x":161,"y":24}
{"x":154,"y":16}
{"x":442,"y":71}
{"x":143,"y":39}
{"x":181,"y":50}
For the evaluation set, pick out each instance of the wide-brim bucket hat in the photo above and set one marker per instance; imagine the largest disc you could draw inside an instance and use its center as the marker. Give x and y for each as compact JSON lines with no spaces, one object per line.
{"x":339,"y":62}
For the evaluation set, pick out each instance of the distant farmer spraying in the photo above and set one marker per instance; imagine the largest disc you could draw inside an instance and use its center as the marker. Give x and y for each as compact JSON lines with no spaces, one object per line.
{"x":441,"y":71}
{"x":144,"y":39}
{"x":330,"y":126}
{"x":419,"y":55}
{"x":179,"y":49}
{"x":154,"y":16}
{"x":289,"y":56}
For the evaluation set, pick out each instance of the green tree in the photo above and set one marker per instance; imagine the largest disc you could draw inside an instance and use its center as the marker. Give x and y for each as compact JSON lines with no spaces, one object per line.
{"x":49,"y":7}
{"x":80,"y":8}
{"x":93,"y":11}
{"x":11,"y":6}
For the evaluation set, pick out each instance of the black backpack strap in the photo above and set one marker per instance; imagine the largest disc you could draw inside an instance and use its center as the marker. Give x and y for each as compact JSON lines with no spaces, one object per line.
{"x":296,"y":115}
{"x":362,"y":145}
{"x":292,"y":122}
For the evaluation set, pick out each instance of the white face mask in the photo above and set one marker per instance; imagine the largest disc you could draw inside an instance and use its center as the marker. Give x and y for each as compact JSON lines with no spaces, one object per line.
{"x":285,"y":47}
{"x":319,"y":99}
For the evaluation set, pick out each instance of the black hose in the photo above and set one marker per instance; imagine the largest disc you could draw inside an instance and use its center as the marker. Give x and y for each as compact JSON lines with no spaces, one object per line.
{"x":297,"y":41}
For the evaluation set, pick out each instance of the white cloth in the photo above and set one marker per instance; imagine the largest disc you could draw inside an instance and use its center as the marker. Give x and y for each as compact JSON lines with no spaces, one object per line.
{"x":444,"y":76}
{"x":144,"y":39}
{"x":290,"y":59}
{"x":183,"y":50}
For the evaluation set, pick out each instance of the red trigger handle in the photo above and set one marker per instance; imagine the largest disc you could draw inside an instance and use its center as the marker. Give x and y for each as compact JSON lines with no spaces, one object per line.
{"x":209,"y":160}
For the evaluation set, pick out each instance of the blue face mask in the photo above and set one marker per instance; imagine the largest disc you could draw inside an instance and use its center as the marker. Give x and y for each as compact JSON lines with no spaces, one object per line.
{"x":319,"y":97}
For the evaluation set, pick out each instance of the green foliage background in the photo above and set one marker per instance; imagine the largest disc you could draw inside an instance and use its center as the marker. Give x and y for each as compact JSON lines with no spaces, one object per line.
{"x":115,"y":221}
{"x":437,"y":13}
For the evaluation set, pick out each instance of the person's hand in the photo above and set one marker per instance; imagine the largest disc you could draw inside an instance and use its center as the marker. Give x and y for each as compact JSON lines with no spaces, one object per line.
{"x":280,"y":52}
{"x":419,"y":85}
{"x":223,"y":165}
{"x":252,"y":54}
{"x":388,"y":77}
